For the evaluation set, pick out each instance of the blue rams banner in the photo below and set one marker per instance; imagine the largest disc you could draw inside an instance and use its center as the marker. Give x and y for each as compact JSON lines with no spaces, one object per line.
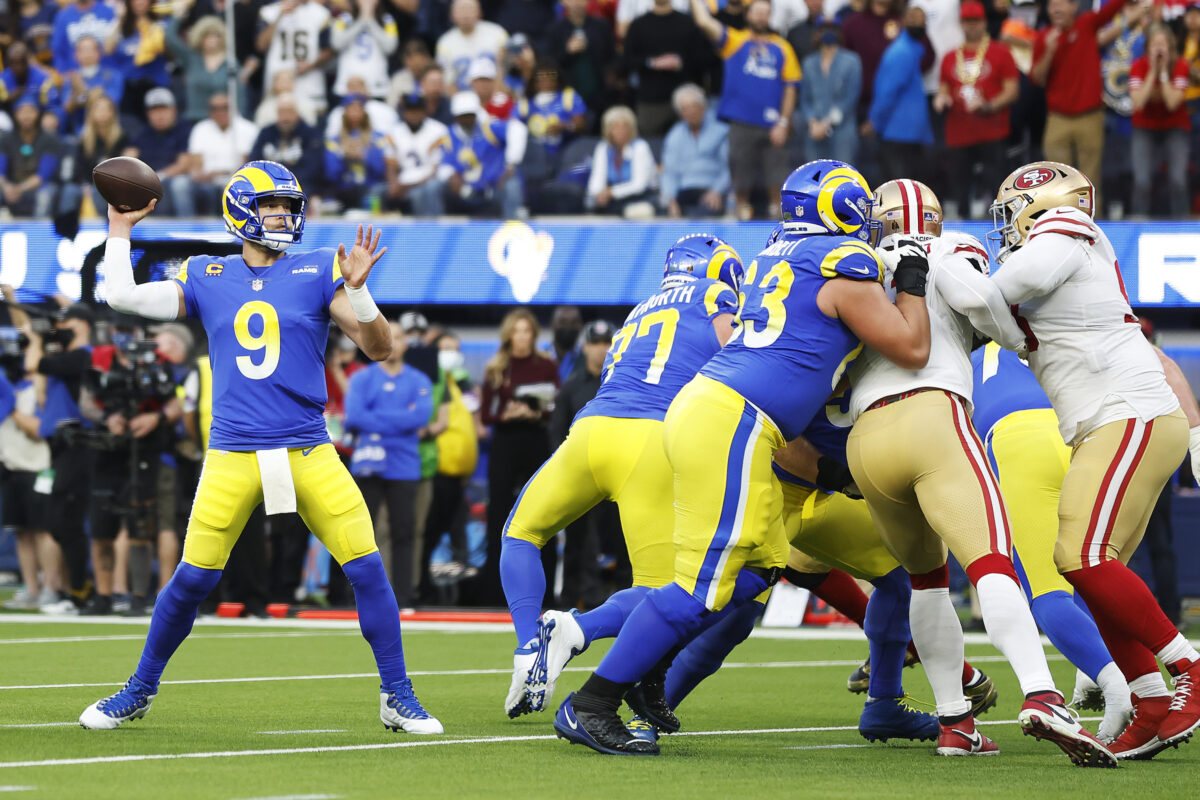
{"x":586,"y":261}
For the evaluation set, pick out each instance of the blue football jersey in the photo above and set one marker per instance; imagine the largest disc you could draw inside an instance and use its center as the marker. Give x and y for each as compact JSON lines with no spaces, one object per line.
{"x":828,"y":433}
{"x":267,"y":330}
{"x":1001,"y":385}
{"x":665,"y":341}
{"x":787,"y":356}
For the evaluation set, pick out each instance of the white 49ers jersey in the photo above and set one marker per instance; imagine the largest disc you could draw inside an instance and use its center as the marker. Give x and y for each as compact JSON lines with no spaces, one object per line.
{"x":959,"y":303}
{"x":1086,"y":346}
{"x":299,"y":38}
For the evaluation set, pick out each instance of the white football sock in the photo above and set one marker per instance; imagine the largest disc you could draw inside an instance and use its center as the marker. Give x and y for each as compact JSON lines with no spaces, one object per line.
{"x":1011,"y":628}
{"x":1149,"y":685}
{"x":1117,"y":704}
{"x":938,"y":636}
{"x":1179,"y":649}
{"x":1083,"y":685}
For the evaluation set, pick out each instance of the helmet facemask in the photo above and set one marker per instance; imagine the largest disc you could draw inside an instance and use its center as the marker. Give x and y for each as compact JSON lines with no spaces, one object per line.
{"x":1005,"y":237}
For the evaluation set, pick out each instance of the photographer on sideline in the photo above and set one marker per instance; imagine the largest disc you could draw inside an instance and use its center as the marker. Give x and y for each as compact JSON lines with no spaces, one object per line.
{"x":137,"y":394}
{"x":65,"y":358}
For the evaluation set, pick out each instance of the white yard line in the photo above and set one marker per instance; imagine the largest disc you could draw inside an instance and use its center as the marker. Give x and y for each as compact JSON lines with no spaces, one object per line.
{"x":67,"y":762}
{"x":17,"y":788}
{"x":40,"y":725}
{"x":141,"y":637}
{"x":314,"y":730}
{"x":298,"y":797}
{"x":827,"y":747}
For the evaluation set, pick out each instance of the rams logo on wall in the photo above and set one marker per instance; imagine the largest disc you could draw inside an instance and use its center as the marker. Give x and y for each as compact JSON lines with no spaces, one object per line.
{"x":522,"y":255}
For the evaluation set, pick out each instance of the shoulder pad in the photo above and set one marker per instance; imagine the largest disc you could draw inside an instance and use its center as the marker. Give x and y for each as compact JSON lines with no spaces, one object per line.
{"x":719,"y":297}
{"x":851,"y":258}
{"x":1067,"y":221}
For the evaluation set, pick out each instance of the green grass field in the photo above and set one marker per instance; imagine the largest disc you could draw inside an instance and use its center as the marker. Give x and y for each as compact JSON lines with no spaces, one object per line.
{"x":291,"y":711}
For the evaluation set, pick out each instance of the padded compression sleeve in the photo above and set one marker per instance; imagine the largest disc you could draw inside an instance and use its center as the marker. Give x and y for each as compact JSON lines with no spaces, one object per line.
{"x":155,"y":300}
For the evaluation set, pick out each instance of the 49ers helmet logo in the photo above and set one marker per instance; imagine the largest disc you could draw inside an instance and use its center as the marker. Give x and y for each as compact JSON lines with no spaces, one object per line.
{"x":1033,"y":178}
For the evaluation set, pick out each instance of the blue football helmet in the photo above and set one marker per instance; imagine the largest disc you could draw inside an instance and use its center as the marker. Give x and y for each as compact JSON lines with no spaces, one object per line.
{"x":828,"y":197}
{"x":246,"y":190}
{"x":703,"y":256}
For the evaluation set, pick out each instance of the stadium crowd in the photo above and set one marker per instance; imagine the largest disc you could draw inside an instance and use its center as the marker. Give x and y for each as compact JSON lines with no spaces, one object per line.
{"x":634,"y":107}
{"x":105,"y":426}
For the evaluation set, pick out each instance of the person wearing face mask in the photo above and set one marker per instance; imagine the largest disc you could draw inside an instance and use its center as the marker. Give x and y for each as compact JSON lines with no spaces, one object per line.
{"x":899,"y":115}
{"x":829,"y":98}
{"x":457,"y":455}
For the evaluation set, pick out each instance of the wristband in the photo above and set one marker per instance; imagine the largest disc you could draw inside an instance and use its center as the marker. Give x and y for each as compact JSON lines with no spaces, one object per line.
{"x":363,"y":304}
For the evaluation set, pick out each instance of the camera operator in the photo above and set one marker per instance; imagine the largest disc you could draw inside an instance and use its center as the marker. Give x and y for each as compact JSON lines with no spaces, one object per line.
{"x":180,"y":466}
{"x":137,"y":394}
{"x":64,"y":358}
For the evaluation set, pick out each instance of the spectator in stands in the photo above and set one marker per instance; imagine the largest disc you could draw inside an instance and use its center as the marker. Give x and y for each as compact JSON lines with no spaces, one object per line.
{"x":89,"y":75}
{"x":1191,"y":98}
{"x":137,"y":47}
{"x":1066,"y":60}
{"x":381,"y":116}
{"x":757,"y":100}
{"x":695,"y":168}
{"x":34,"y":25}
{"x":566,"y":323}
{"x":433,"y":89}
{"x":551,"y":113}
{"x":583,"y":48}
{"x":29,"y":159}
{"x":23,"y":76}
{"x":804,"y":34}
{"x":943,"y":33}
{"x":829,"y":98}
{"x":163,"y":145}
{"x":294,"y":36}
{"x":293,"y":143}
{"x":520,"y":63}
{"x":528,"y":18}
{"x":480,"y":169}
{"x":663,"y":47}
{"x":1121,"y":41}
{"x":102,"y":138}
{"x":419,"y":144}
{"x":81,"y":19}
{"x":519,"y":383}
{"x":629,"y":10}
{"x":417,"y":60}
{"x":284,"y":82}
{"x":977,"y":85}
{"x":365,"y":36}
{"x":387,"y":405}
{"x":203,"y":60}
{"x":218,"y":147}
{"x":899,"y":114}
{"x":868,"y":33}
{"x":623,"y":169}
{"x":1157,"y":82}
{"x":356,"y":158}
{"x":246,"y":57}
{"x":481,"y":79}
{"x":471,"y":37}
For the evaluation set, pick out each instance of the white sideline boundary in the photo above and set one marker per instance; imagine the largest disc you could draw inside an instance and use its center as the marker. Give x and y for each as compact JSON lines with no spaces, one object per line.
{"x":276,"y":751}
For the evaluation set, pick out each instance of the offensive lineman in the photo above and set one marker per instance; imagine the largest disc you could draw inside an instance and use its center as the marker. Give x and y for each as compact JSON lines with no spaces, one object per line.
{"x":614,"y":451}
{"x":922,"y":471}
{"x":267,"y":316}
{"x":810,"y":302}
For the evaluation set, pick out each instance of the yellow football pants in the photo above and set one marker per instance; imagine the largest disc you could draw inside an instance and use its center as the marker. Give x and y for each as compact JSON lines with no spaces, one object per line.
{"x":833,"y":530}
{"x":230,"y":488}
{"x":728,"y":502}
{"x":606,"y":458}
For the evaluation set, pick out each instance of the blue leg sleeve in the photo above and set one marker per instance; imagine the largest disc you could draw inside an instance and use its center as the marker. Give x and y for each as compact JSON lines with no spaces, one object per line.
{"x":174,"y":613}
{"x":886,"y":626}
{"x":665,"y":619}
{"x":524,"y":582}
{"x":705,"y":654}
{"x":378,"y":615}
{"x":1072,"y":631}
{"x":605,"y":621}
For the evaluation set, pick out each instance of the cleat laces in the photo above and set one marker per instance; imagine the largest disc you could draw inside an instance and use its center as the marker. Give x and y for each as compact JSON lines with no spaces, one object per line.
{"x":132,"y":697}
{"x":1183,"y":692}
{"x":404,"y":702}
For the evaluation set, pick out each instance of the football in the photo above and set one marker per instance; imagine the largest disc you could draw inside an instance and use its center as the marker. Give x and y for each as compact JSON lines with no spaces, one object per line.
{"x":127,"y":183}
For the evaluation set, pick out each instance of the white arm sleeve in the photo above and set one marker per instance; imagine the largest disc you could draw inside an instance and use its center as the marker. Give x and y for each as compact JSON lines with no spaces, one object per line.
{"x":516,"y":139}
{"x":1051,"y":254}
{"x":156,"y":300}
{"x":979,"y":300}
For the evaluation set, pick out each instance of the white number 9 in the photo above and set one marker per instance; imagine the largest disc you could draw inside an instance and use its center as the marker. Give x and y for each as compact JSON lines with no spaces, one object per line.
{"x":267,"y":341}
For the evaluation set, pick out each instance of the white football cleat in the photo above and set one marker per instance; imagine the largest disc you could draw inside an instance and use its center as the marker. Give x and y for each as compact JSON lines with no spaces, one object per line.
{"x":132,"y":702}
{"x":400,"y":710}
{"x":559,"y":640}
{"x":516,"y":702}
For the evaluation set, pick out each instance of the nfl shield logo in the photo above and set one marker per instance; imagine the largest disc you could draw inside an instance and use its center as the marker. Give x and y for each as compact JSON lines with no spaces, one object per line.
{"x":256,"y":284}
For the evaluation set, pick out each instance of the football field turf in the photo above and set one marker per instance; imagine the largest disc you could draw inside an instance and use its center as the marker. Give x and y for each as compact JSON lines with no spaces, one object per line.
{"x":290,"y":710}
